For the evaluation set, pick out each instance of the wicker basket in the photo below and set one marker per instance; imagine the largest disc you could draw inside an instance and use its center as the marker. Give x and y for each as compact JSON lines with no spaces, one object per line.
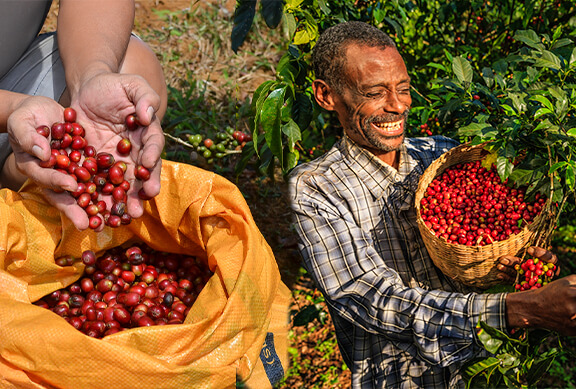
{"x":471,"y":265}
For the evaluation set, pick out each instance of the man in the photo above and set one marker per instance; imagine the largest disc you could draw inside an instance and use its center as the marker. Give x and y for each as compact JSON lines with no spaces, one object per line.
{"x":92,"y":64}
{"x":399,"y":322}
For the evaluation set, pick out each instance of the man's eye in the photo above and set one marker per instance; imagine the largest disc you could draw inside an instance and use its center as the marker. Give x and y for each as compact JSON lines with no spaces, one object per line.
{"x":374,"y":95}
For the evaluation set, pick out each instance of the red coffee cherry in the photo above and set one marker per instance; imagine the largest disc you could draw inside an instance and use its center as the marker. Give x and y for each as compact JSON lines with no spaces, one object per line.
{"x":69,"y":115}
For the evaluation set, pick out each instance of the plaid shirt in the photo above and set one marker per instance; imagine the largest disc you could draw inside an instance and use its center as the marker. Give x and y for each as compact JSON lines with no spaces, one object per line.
{"x":399,"y":322}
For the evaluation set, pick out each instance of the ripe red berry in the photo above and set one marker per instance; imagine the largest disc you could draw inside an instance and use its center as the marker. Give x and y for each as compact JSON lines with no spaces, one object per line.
{"x":115,"y":175}
{"x":132,"y":122}
{"x":208,"y":142}
{"x":57,"y":131}
{"x":142,"y":173}
{"x":82,"y":174}
{"x":69,"y":115}
{"x":44,"y":131}
{"x":104,"y":160}
{"x":124,"y":146}
{"x":62,"y":161}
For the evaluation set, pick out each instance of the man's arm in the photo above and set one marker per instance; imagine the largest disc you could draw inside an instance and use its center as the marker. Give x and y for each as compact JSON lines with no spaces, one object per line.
{"x":92,"y":37}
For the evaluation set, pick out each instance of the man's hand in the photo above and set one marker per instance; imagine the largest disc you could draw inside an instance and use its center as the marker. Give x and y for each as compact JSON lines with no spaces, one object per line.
{"x":552,"y":306}
{"x":102,"y":105}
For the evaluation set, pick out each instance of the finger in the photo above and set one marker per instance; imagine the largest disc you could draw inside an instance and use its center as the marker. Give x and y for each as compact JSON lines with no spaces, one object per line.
{"x":506,"y":272}
{"x":543,"y":254}
{"x":134,"y":204}
{"x":68,"y":206}
{"x":147,"y":101}
{"x":509,"y":260}
{"x":31,"y":143}
{"x":152,"y":186}
{"x":152,"y":145}
{"x":45,"y":177}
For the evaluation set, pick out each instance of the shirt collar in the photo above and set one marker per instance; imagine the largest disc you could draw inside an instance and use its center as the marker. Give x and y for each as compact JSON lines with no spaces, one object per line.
{"x":376,"y":175}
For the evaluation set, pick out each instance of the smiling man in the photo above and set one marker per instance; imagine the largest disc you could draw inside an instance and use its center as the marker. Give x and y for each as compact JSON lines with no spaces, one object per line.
{"x":400,"y":323}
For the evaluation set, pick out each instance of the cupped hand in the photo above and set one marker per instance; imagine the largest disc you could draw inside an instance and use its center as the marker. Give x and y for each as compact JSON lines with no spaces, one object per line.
{"x":102,"y":104}
{"x":30,"y":148}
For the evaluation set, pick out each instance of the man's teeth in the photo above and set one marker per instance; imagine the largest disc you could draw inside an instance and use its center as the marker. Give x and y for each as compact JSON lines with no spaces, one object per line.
{"x":389,"y":126}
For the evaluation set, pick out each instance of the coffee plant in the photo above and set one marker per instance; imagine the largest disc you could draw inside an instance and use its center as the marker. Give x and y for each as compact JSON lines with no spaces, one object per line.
{"x":523,"y":108}
{"x":518,"y":360}
{"x":287,"y":123}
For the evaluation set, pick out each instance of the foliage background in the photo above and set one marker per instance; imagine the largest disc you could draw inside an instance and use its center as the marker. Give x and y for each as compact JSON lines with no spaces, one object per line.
{"x":213,"y":90}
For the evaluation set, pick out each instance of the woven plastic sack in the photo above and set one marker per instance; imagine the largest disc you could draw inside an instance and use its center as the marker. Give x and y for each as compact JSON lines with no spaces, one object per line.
{"x":236,"y":330}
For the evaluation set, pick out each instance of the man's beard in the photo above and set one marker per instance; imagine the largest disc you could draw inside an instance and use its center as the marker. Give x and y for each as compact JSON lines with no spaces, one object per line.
{"x":377,"y":140}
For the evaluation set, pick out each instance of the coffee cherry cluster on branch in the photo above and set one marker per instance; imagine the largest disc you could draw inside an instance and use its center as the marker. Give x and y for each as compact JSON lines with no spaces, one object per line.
{"x":129,"y":287}
{"x":470,"y":205}
{"x":533,"y":274}
{"x":98,"y":173}
{"x":222,"y":144}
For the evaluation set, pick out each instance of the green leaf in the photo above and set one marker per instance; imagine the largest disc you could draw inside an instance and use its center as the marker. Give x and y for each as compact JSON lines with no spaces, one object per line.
{"x":290,"y":22}
{"x":548,"y":60}
{"x":291,"y":160}
{"x":436,"y":65}
{"x":573,"y":58}
{"x":292,"y":132}
{"x":477,"y":367}
{"x":521,"y":176}
{"x":557,"y":33}
{"x":544,"y":101}
{"x":539,"y":367}
{"x":462,"y":69}
{"x":490,"y":343}
{"x":306,"y":315}
{"x":243,"y":18}
{"x":570,"y":177}
{"x":572,"y":132}
{"x":530,"y":38}
{"x":508,"y":360}
{"x":473,"y":129}
{"x":542,"y":112}
{"x":272,"y":12}
{"x":270,"y":120}
{"x":302,"y":110}
{"x":561,"y":43}
{"x":504,"y":167}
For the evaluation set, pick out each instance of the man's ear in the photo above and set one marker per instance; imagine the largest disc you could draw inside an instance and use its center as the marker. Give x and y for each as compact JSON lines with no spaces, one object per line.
{"x":324,"y":95}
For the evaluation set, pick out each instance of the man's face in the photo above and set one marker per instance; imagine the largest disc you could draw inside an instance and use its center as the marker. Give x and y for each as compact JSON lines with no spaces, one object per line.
{"x":375,"y":101}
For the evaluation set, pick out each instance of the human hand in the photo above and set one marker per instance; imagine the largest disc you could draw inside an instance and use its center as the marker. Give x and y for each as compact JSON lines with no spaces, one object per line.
{"x":552,"y":306}
{"x":102,"y":104}
{"x":104,"y":122}
{"x":507,"y":264}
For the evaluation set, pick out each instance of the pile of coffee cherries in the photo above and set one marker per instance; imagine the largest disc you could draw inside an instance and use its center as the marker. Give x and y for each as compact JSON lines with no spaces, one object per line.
{"x":98,"y":173}
{"x":533,"y":274}
{"x":128,"y":287}
{"x":470,"y":205}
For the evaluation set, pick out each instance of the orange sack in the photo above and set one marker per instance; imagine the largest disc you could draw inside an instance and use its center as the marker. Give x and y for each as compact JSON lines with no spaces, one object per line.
{"x":236,"y":330}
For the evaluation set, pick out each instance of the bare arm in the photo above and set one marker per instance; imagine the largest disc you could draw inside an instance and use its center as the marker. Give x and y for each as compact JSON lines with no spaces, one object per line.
{"x":92,"y":37}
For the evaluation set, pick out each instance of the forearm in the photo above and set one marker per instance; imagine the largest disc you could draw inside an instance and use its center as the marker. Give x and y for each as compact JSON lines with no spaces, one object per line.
{"x":8,"y":103}
{"x":92,"y":37}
